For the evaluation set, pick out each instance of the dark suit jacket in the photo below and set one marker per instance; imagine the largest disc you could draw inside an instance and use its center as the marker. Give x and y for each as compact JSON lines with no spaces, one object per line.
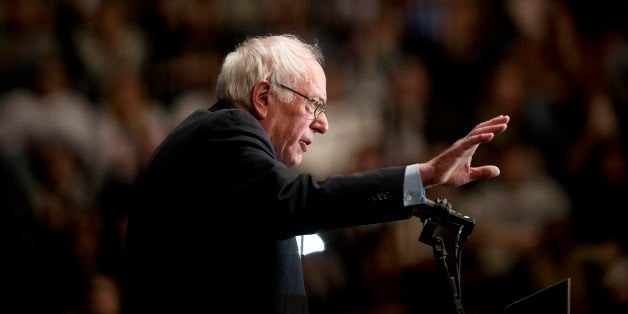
{"x":217,"y":213}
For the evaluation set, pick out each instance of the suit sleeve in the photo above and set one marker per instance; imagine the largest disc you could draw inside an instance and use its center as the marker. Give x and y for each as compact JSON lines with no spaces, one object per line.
{"x":214,"y":196}
{"x":289,"y":203}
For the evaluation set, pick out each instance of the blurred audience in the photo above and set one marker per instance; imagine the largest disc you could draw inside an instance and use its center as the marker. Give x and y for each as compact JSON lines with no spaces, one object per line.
{"x":89,"y":88}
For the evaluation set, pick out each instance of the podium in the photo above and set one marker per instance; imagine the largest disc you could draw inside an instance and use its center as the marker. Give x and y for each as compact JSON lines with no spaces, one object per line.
{"x":555,"y":299}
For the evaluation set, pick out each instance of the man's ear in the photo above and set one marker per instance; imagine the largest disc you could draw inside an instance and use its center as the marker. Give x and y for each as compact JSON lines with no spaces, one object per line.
{"x":259,"y":99}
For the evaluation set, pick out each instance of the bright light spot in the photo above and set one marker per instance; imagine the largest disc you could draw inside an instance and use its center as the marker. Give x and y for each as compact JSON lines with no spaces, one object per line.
{"x":311,"y":243}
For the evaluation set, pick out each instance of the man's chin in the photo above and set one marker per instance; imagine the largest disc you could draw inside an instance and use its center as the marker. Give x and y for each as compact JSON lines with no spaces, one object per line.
{"x":293,"y":161}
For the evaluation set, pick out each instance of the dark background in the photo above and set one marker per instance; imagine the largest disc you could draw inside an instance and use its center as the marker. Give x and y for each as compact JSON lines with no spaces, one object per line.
{"x":88,"y":88}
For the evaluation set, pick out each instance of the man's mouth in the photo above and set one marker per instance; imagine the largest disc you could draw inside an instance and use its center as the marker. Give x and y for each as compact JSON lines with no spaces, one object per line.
{"x":304,"y":144}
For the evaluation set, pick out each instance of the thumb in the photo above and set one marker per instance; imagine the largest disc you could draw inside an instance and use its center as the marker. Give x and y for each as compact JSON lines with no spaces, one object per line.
{"x":483,"y":172}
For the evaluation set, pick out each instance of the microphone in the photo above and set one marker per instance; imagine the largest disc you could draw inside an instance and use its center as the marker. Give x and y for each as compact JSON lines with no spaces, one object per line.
{"x":440,"y":212}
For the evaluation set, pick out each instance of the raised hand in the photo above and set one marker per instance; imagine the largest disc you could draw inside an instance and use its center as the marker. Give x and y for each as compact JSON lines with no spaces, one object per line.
{"x":453,"y":166}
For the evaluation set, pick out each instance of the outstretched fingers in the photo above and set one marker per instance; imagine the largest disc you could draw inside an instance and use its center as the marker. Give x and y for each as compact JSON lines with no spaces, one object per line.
{"x":495,"y":125}
{"x":474,"y":140}
{"x":453,"y":166}
{"x":502,"y":119}
{"x":482,"y":133}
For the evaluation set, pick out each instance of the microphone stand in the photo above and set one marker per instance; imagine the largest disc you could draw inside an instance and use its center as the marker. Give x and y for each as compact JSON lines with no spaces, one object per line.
{"x":440,"y":253}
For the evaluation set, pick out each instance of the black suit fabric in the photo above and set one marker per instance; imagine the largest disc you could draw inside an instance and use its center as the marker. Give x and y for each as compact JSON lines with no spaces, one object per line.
{"x":216,"y":214}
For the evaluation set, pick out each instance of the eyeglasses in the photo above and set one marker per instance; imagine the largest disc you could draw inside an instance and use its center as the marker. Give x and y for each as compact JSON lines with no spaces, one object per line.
{"x":317,"y":106}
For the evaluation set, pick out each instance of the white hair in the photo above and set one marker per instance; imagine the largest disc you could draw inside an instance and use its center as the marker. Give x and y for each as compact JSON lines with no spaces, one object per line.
{"x":277,"y":59}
